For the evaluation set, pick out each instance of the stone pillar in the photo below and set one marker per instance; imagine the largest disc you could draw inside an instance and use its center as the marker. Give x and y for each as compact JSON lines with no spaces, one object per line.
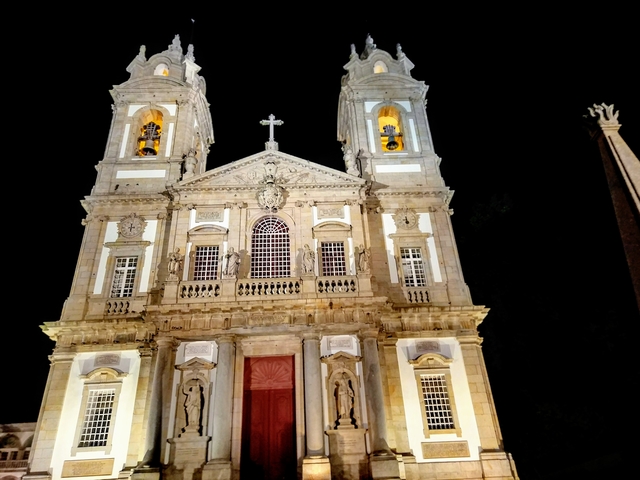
{"x":140,"y":412}
{"x":49,"y":419}
{"x":383,"y":461}
{"x":315,"y":465}
{"x":219,"y":467}
{"x":398,"y":420}
{"x":483,"y":406}
{"x":161,"y":375}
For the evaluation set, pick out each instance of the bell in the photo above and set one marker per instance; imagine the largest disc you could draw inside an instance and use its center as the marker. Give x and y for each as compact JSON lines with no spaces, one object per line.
{"x":392,"y":144}
{"x":149,"y":148}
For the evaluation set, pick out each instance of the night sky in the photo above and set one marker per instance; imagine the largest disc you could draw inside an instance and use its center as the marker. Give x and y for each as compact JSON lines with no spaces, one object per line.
{"x":535,"y":227}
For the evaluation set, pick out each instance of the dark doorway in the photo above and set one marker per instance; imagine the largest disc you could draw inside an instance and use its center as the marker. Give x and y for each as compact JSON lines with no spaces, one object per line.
{"x":268,"y":419}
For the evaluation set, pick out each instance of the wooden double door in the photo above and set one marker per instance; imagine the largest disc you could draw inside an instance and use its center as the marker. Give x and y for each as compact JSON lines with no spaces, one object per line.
{"x":268,"y":419}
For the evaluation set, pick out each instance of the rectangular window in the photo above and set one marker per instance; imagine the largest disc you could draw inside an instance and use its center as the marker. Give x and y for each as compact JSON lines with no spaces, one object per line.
{"x":97,"y":418}
{"x":436,"y":402}
{"x":205,"y":266}
{"x":124,"y":277}
{"x":333,"y":259}
{"x":412,"y":267}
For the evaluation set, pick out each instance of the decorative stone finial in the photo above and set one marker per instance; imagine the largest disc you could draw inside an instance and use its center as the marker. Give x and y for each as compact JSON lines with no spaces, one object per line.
{"x":369,"y":48}
{"x":176,"y":46}
{"x":399,"y":53}
{"x":605,"y":114}
{"x":353,"y":51}
{"x":189,"y":55}
{"x":141,"y":53}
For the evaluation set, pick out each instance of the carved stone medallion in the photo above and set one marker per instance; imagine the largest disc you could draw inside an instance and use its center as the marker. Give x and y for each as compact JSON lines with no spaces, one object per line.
{"x":270,"y":197}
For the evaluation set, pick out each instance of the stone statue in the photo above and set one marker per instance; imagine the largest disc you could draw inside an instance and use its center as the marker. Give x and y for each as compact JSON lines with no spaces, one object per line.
{"x":308,"y":260}
{"x":189,"y":54}
{"x":192,"y":405}
{"x":350,"y":161}
{"x":174,"y":265}
{"x":233,"y":263}
{"x":190,"y":162}
{"x":364,"y":259}
{"x":344,"y":397}
{"x":175,"y":45}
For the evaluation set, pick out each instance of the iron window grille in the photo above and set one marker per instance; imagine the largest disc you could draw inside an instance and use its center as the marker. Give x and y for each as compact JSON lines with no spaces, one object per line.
{"x":436,"y":401}
{"x":270,"y":249}
{"x":97,"y":418}
{"x":333,"y":259}
{"x":206,"y":263}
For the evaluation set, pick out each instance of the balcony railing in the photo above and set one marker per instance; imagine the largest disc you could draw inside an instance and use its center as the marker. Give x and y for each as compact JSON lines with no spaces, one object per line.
{"x":268,"y":287}
{"x":337,"y":285}
{"x":205,"y":290}
{"x":416,"y":294}
{"x":13,"y":464}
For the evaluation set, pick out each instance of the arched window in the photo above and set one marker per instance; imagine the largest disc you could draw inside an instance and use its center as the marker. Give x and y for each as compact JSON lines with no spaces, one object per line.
{"x":270,"y":249}
{"x":161,"y":69}
{"x":380,"y":67}
{"x":150,"y":133}
{"x":390,"y":125}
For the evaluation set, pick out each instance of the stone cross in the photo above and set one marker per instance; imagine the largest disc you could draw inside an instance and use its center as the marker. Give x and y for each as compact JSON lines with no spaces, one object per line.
{"x":271,"y":144}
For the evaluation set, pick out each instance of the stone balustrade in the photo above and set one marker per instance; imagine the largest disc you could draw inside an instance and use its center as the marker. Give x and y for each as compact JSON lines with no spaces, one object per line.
{"x":117,"y":307}
{"x":337,"y":285}
{"x":13,"y":464}
{"x":268,"y":287}
{"x":204,"y":290}
{"x":417,"y":294}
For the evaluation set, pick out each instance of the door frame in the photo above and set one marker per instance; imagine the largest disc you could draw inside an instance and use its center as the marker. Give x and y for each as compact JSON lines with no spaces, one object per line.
{"x":268,"y":346}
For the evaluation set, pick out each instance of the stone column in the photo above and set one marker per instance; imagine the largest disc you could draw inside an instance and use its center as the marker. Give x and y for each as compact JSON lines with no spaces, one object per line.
{"x":49,"y":419}
{"x":316,"y":464}
{"x":383,"y":461}
{"x":219,"y":467}
{"x":153,"y":454}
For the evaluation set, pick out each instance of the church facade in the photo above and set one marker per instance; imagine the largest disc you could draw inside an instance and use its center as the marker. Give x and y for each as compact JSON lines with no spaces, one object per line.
{"x":272,"y":317}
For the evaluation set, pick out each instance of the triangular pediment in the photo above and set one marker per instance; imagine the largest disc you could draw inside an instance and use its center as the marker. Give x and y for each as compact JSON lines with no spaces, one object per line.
{"x":290,"y":172}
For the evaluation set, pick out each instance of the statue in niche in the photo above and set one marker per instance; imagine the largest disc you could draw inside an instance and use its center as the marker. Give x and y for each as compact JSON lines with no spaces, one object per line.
{"x":364,"y":259}
{"x":232,"y":264}
{"x":344,"y":398}
{"x":308,"y":260}
{"x":174,"y":265}
{"x":192,"y":405}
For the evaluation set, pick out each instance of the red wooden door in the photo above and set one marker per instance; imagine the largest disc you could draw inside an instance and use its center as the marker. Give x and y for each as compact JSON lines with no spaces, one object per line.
{"x":268,"y":423}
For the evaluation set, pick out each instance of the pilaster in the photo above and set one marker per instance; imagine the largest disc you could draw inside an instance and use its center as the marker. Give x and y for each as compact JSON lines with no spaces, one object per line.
{"x":50,"y":412}
{"x":483,"y":406}
{"x":383,"y":462}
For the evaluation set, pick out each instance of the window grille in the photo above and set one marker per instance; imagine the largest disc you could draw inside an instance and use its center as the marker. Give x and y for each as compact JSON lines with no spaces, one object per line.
{"x":124,"y":277}
{"x":412,"y":267}
{"x":435,"y":398}
{"x":270,"y":249}
{"x":206,"y":263}
{"x":97,"y":418}
{"x":333,"y":259}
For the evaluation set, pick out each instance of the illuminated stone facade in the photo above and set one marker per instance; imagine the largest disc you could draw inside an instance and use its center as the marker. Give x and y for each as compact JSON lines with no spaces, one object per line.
{"x":271,"y":317}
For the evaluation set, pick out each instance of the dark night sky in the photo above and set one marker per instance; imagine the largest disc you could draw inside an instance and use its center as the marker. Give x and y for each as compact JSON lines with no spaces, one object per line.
{"x":534,"y":222}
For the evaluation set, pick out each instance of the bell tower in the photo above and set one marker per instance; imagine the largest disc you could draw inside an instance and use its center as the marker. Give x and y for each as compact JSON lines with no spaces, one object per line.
{"x":161,"y":128}
{"x":382,"y":120}
{"x":160,"y":134}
